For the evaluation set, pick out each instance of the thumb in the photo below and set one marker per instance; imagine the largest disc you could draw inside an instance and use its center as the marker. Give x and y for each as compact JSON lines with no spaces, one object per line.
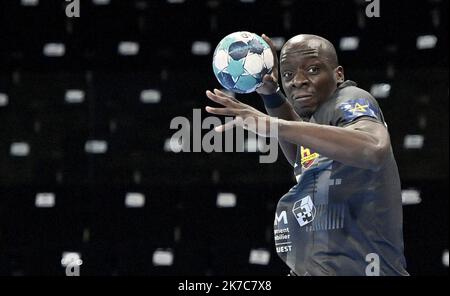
{"x":268,"y":78}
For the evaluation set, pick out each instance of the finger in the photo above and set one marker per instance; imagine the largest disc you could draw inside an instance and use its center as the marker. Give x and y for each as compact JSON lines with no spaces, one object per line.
{"x":220,"y":99}
{"x":238,"y":121}
{"x":222,"y":94}
{"x":222,"y":111}
{"x":272,"y":46}
{"x":274,"y":53}
{"x":268,"y":78}
{"x":225,"y":127}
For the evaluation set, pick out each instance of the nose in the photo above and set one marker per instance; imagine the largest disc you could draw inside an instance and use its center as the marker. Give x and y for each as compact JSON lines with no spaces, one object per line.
{"x":299,"y":80}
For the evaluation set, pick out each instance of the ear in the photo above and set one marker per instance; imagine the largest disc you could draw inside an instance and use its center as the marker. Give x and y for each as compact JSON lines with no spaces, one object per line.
{"x":339,"y":74}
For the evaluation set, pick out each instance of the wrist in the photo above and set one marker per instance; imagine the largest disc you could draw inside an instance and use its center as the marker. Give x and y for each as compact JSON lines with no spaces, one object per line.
{"x":282,"y":124}
{"x":266,"y":92}
{"x":273,"y":100}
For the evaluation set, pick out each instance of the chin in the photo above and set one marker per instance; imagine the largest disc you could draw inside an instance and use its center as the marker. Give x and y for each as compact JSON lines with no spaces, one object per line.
{"x":304,"y":112}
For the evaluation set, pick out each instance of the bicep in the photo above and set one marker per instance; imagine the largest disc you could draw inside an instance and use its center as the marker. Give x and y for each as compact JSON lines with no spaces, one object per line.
{"x":375,"y":130}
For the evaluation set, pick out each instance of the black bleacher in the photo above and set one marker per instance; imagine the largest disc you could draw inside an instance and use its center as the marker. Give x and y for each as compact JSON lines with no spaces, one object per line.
{"x":180,"y":212}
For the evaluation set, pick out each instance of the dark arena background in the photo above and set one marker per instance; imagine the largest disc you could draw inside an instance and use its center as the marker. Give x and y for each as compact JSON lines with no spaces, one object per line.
{"x":87,"y":169}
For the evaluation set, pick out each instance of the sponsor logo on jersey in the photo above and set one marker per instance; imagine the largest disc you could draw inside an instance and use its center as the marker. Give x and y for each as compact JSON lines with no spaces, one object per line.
{"x":307,"y":157}
{"x":355,"y":108}
{"x":280,"y":218}
{"x":304,"y":210}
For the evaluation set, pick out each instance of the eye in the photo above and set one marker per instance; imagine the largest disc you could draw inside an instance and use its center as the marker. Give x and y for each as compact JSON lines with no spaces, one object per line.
{"x":287,"y":74}
{"x":313,"y":70}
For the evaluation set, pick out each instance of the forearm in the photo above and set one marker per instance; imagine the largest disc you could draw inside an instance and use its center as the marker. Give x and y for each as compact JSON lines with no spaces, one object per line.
{"x":350,"y":147}
{"x":286,"y":112}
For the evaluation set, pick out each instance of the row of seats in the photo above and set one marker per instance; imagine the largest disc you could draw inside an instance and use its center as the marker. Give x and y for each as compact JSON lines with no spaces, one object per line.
{"x":183,"y":226}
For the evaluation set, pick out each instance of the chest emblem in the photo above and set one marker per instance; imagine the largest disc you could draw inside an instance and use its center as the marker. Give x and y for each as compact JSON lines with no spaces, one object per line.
{"x":304,"y":210}
{"x":307,"y":158}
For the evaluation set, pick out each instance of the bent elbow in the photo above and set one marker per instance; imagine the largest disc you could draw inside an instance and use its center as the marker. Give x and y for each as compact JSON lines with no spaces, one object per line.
{"x":378,"y":157}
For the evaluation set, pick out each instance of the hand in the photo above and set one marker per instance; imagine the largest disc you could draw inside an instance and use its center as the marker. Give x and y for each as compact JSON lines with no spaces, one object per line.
{"x":270,"y":85}
{"x":246,"y":116}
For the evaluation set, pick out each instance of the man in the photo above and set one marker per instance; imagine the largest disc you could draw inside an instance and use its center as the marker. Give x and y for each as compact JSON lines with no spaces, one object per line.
{"x":344,"y":216}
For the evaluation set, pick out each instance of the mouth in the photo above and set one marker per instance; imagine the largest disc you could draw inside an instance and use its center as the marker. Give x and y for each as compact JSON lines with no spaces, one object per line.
{"x":303,"y":98}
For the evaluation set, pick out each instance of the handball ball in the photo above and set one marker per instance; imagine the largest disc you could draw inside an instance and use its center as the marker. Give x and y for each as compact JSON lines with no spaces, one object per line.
{"x":241,"y":60}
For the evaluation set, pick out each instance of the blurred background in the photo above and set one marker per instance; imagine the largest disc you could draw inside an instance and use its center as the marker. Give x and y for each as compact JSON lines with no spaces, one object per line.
{"x":87,"y":168}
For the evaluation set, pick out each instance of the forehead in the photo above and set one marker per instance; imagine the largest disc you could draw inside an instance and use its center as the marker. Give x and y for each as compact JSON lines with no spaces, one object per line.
{"x":305,"y":52}
{"x":300,"y":58}
{"x":300,"y":50}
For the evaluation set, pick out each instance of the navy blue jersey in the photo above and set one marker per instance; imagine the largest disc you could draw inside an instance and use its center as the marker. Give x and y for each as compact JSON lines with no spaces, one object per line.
{"x":338,"y":219}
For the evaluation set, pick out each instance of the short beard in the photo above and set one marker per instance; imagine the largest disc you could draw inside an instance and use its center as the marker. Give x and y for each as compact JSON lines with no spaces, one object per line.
{"x":304,"y":114}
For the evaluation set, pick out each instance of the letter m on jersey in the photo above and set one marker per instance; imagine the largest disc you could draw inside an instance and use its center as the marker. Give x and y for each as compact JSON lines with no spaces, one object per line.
{"x":282,"y":217}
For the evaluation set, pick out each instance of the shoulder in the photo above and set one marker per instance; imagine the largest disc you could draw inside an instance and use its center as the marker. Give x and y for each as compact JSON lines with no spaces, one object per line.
{"x":351,"y":93}
{"x":352,"y":103}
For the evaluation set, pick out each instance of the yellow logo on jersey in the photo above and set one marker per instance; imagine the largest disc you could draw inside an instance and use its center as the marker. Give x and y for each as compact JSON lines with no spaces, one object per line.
{"x":359,"y":108}
{"x":306,"y":157}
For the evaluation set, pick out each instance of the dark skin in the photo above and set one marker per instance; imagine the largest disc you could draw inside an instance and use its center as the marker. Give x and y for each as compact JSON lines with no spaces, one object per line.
{"x":309,"y":72}
{"x":309,"y":75}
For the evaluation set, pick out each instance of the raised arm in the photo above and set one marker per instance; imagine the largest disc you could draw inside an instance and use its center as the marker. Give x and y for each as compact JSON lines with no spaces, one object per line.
{"x":275,"y":103}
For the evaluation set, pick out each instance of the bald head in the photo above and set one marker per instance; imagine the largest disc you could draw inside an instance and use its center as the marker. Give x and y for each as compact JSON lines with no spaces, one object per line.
{"x":310,"y":46}
{"x":310,"y":72}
